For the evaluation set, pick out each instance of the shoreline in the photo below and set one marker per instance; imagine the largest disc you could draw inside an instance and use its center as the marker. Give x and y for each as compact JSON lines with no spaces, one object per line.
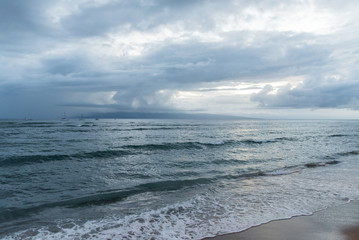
{"x":333,"y":223}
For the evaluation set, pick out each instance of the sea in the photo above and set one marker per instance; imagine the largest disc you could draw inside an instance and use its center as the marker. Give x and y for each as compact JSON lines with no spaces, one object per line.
{"x":169,"y":179}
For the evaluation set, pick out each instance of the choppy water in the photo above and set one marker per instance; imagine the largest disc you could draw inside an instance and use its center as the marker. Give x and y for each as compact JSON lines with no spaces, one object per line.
{"x":169,"y":179}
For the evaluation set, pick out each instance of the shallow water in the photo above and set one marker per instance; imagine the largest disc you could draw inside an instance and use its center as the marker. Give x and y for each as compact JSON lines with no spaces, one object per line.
{"x":169,"y":179}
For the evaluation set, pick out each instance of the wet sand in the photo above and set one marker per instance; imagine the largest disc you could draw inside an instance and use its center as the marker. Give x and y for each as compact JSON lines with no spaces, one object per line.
{"x":351,"y":233}
{"x":335,"y":223}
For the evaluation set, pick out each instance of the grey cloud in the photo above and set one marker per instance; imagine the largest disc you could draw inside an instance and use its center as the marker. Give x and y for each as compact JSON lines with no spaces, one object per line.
{"x":181,"y":66}
{"x":140,"y":15}
{"x":28,"y":103}
{"x":222,"y":62}
{"x":339,"y":95}
{"x":20,"y":15}
{"x":23,"y":21}
{"x":253,"y":56}
{"x":124,"y":15}
{"x":65,"y":66}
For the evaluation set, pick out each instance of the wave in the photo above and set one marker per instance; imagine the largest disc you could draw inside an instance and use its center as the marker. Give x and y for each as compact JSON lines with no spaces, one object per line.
{"x":236,"y":161}
{"x":116,"y":195}
{"x":17,"y":124}
{"x":102,"y":198}
{"x":170,"y":146}
{"x":350,"y":153}
{"x":12,"y":133}
{"x":129,"y":150}
{"x":145,"y":129}
{"x":31,"y":159}
{"x":201,"y":145}
{"x":285,"y":171}
{"x":76,"y":130}
{"x":124,"y":151}
{"x":298,"y":168}
{"x":262,"y":141}
{"x":154,"y":128}
{"x":6,"y":122}
{"x":338,"y":135}
{"x":321,"y":164}
{"x":342,"y":154}
{"x":228,"y":161}
{"x":112,"y":196}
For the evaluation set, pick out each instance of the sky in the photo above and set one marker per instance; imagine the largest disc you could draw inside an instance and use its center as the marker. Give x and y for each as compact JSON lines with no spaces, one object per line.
{"x":274,"y":59}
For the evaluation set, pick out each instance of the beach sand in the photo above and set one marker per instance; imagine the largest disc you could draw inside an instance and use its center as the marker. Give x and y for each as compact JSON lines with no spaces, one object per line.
{"x":335,"y":223}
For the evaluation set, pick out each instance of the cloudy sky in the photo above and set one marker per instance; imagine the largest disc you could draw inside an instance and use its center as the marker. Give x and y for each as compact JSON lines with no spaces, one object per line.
{"x":277,"y":59}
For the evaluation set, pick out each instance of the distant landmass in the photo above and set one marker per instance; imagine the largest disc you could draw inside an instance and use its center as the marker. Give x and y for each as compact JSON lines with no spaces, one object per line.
{"x":150,"y":115}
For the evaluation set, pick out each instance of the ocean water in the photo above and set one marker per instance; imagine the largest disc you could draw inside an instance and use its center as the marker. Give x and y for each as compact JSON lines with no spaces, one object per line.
{"x":169,"y":179}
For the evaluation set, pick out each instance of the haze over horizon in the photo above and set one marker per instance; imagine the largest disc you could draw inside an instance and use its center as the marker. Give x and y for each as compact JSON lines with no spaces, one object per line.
{"x":257,"y":59}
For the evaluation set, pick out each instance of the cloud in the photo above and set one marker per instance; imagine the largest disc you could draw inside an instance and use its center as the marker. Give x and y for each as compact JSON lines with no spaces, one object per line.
{"x":20,"y":16}
{"x":161,"y":55}
{"x":311,"y":94}
{"x":125,"y":16}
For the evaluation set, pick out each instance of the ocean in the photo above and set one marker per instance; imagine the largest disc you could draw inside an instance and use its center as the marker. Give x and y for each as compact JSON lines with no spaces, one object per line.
{"x":169,"y":179}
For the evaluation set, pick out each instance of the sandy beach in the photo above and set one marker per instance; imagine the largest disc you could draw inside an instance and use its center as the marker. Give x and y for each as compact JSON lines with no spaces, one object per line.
{"x":335,"y":223}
